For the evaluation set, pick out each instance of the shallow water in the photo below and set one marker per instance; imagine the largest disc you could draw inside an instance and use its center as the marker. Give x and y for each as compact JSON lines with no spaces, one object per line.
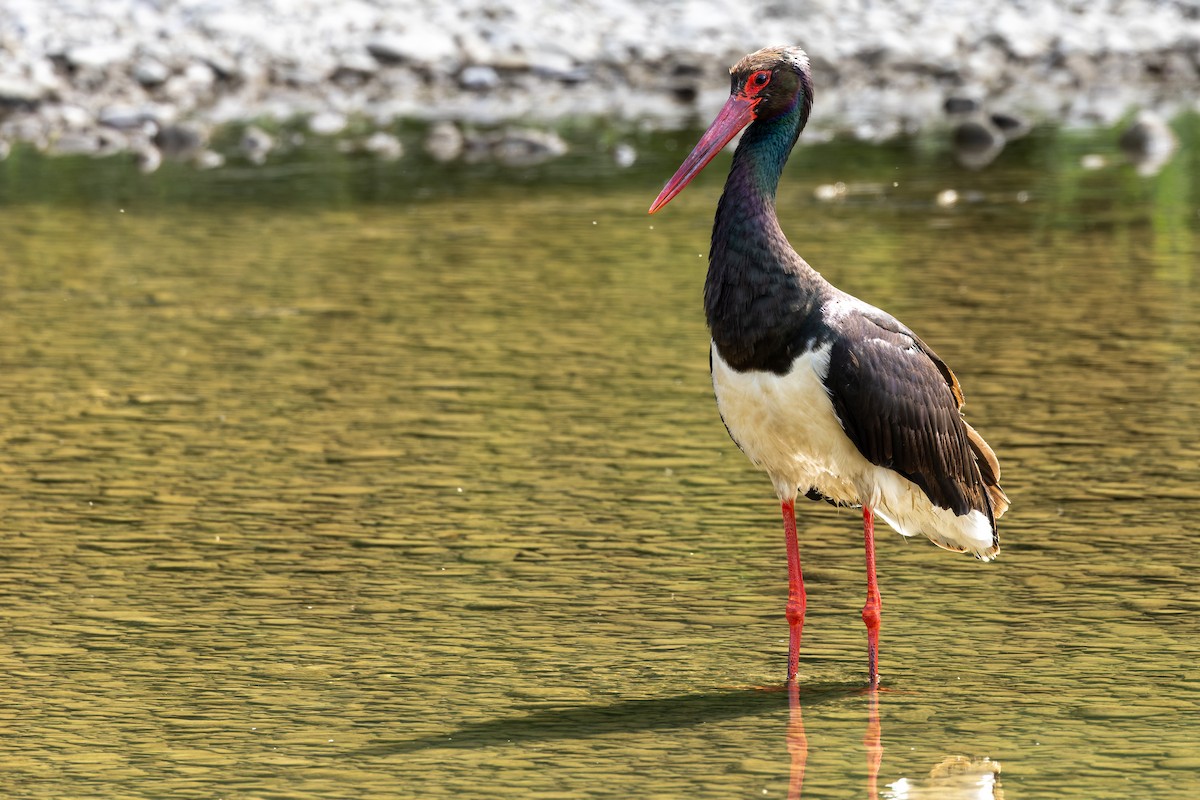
{"x":336,"y":480}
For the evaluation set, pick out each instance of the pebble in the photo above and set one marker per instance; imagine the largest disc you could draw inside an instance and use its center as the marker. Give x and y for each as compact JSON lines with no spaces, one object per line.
{"x":255,"y":144}
{"x":828,"y":192}
{"x":383,"y":146}
{"x":1148,"y":142}
{"x":124,"y":117}
{"x":180,"y":142}
{"x":624,"y":155}
{"x":98,"y":55}
{"x":74,"y":143}
{"x":977,"y":142}
{"x":526,"y":147}
{"x":479,"y":78}
{"x":327,"y":123}
{"x":17,"y":91}
{"x":150,"y":72}
{"x":444,"y":141}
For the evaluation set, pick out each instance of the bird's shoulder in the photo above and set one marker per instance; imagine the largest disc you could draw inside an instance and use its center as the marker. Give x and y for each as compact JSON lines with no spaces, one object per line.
{"x":872,"y":344}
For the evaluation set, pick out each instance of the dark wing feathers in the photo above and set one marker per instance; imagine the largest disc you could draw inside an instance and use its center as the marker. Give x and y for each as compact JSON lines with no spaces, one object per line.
{"x":900,"y":405}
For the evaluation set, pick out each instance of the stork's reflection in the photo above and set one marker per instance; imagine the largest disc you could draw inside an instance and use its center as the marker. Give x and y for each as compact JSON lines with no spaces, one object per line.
{"x":797,"y":743}
{"x":955,"y":778}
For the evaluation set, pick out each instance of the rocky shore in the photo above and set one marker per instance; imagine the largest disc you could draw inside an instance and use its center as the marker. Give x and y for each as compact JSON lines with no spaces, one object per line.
{"x":492,"y":79}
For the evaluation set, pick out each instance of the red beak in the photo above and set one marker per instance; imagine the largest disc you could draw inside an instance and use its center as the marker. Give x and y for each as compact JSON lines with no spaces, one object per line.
{"x":737,"y":113}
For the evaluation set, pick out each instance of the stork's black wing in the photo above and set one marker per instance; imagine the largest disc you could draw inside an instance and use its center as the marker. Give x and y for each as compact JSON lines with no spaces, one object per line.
{"x":899,"y":403}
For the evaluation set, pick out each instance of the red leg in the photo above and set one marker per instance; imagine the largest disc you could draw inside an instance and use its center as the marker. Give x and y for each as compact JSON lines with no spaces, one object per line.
{"x":870,"y":612}
{"x":796,"y":597}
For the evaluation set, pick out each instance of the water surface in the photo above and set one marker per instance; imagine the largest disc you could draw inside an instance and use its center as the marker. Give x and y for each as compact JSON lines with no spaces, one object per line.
{"x":337,"y":480}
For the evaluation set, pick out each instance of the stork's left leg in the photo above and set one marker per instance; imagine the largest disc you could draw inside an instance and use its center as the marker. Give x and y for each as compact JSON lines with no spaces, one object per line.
{"x":870,"y":612}
{"x":797,"y":599}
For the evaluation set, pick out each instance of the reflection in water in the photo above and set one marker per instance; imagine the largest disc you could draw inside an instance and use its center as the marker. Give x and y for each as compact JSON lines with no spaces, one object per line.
{"x":1149,"y":143}
{"x":955,"y":778}
{"x":797,"y":742}
{"x":872,"y":741}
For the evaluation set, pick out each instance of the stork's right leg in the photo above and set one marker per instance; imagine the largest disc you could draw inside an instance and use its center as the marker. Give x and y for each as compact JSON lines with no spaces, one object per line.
{"x":796,"y":597}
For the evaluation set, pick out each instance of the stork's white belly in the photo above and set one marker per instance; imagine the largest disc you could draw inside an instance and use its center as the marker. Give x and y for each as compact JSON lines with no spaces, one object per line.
{"x":787,"y":426}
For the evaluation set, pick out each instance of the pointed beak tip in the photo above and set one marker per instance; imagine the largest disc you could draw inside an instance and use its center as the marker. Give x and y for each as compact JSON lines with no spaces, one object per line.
{"x":737,"y":113}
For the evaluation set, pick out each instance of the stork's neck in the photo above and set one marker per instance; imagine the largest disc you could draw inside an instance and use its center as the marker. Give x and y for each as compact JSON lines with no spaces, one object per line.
{"x":760,"y":297}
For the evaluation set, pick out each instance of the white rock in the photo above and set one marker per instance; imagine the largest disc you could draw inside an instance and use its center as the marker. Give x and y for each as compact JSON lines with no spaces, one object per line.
{"x":99,"y":55}
{"x":151,"y":72}
{"x":255,"y":144}
{"x":444,"y":141}
{"x":327,"y":123}
{"x":383,"y":145}
{"x":420,"y":44}
{"x":479,"y":77}
{"x":16,"y":90}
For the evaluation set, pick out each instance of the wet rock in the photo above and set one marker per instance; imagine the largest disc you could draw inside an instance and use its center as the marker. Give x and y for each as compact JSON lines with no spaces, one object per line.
{"x":125,"y":117}
{"x":383,"y":146}
{"x":518,"y":147}
{"x":255,"y":144}
{"x":327,"y":123}
{"x":74,"y":143}
{"x":978,"y":136}
{"x":425,"y":45}
{"x":98,"y":55}
{"x":28,"y":129}
{"x":69,"y":115}
{"x":19,"y":92}
{"x":111,"y":142}
{"x":148,"y":158}
{"x":208,"y":159}
{"x":1010,"y":126}
{"x":90,"y":142}
{"x":960,"y":105}
{"x":151,"y":72}
{"x":1148,"y":142}
{"x":977,"y":142}
{"x":555,"y":65}
{"x":354,"y":69}
{"x":444,"y":141}
{"x":180,"y":142}
{"x":479,"y":78}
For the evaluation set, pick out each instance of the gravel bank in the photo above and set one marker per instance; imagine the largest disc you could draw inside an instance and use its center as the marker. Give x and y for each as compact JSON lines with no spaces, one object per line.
{"x":155,"y":76}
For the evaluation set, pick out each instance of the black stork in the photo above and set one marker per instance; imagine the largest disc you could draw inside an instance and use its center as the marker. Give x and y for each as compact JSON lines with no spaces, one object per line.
{"x":832,"y":397}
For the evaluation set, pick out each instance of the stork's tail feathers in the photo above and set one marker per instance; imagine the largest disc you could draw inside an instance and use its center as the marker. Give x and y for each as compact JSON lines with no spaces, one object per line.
{"x":989,"y":470}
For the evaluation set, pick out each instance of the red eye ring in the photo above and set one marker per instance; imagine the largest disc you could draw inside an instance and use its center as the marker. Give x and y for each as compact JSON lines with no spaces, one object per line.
{"x":757,"y":82}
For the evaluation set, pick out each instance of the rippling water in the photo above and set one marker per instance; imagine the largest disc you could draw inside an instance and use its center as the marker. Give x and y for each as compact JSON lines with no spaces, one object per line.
{"x":331,"y":480}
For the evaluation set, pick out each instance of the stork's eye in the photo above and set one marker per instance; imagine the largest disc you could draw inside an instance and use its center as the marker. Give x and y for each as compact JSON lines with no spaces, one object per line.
{"x":756,"y":82}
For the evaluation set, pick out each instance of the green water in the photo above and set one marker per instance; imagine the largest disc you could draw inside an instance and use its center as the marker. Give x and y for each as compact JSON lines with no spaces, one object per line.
{"x":331,"y":480}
